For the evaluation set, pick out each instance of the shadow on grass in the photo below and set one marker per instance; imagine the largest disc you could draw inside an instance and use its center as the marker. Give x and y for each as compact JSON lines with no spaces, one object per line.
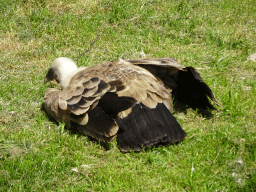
{"x":206,"y":113}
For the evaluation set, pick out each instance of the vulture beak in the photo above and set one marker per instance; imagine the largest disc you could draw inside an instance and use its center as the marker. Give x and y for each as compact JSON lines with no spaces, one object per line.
{"x":49,"y":76}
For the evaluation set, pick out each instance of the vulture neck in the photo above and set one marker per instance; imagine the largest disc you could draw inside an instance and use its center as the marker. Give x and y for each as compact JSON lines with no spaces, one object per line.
{"x":65,"y":69}
{"x":65,"y":75}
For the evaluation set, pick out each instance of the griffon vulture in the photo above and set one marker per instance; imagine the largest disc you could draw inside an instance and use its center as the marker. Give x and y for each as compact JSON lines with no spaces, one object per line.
{"x":130,"y":100}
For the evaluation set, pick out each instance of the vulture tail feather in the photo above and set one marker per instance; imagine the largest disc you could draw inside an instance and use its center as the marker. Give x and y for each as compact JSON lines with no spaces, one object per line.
{"x":147,"y":127}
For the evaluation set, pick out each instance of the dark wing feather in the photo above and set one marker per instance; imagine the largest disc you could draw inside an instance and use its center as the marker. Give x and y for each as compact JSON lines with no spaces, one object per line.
{"x":189,"y":90}
{"x":192,"y":91}
{"x":146,"y":127}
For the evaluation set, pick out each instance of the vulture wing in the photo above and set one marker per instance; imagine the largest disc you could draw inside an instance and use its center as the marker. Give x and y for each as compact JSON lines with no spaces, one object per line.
{"x":188,"y":87}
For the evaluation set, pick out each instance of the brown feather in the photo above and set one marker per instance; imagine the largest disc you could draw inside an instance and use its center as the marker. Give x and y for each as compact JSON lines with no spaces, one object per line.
{"x":77,"y":110}
{"x":74,"y":100}
{"x":93,"y":82}
{"x":139,"y":94}
{"x":155,"y":97}
{"x":88,"y":92}
{"x":81,"y":120}
{"x":112,"y":89}
{"x":78,"y":90}
{"x":168,"y":103}
{"x":63,"y":104}
{"x":103,"y":87}
{"x":149,"y":102}
{"x":84,"y":104}
{"x":67,"y":93}
{"x":125,"y":113}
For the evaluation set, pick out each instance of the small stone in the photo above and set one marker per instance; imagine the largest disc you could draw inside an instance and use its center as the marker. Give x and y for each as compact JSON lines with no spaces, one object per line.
{"x":13,"y":112}
{"x":75,"y":169}
{"x":239,"y":161}
{"x":252,"y":57}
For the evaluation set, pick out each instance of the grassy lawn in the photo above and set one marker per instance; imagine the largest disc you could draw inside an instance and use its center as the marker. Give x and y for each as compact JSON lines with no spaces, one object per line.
{"x":216,"y":37}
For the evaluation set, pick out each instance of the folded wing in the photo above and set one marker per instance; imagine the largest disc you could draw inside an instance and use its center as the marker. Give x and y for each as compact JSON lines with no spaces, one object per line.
{"x":189,"y":90}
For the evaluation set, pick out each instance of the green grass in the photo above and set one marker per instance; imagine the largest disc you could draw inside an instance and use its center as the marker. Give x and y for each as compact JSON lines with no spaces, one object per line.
{"x":219,"y":153}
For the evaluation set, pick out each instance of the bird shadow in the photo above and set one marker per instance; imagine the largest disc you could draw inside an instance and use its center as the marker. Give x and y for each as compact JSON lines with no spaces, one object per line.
{"x":206,"y":113}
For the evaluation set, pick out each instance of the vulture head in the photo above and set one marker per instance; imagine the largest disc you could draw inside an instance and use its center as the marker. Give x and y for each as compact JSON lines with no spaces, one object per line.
{"x":61,"y":70}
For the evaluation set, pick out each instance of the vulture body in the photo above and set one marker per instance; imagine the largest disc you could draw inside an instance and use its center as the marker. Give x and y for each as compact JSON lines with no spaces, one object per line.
{"x":130,"y":100}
